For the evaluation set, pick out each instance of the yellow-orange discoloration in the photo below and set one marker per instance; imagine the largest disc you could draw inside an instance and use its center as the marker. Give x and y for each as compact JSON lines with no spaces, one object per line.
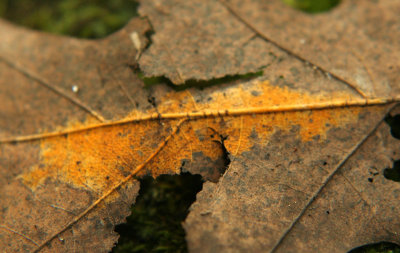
{"x":257,"y":95}
{"x":263,"y":95}
{"x":310,"y":124}
{"x":99,"y":158}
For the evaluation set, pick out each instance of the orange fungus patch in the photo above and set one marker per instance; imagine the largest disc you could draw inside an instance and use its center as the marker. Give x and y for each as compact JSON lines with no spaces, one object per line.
{"x":99,"y":157}
{"x":310,"y":124}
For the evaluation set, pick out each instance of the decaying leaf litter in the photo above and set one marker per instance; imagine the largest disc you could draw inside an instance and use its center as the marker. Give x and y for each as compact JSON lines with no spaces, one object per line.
{"x":295,"y":136}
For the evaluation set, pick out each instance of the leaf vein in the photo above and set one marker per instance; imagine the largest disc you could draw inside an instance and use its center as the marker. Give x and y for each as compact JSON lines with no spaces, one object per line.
{"x":216,"y":113}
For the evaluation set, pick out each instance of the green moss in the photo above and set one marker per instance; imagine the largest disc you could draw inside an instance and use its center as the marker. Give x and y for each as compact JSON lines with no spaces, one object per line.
{"x":161,"y":207}
{"x":86,"y":19}
{"x":312,"y":6}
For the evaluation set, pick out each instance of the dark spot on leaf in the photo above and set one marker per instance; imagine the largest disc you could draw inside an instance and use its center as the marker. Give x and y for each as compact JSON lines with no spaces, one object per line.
{"x":152,"y":101}
{"x":272,"y":55}
{"x":370,"y":179}
{"x":373,"y":171}
{"x":316,"y":137}
{"x":327,"y":212}
{"x":254,"y":134}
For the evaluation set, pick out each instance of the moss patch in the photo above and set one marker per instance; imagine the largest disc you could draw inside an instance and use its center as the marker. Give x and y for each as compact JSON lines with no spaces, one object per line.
{"x":161,"y":207}
{"x":312,"y":6}
{"x":85,"y":19}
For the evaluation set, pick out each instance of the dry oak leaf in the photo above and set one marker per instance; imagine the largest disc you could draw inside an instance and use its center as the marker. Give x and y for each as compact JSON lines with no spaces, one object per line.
{"x":299,"y":146}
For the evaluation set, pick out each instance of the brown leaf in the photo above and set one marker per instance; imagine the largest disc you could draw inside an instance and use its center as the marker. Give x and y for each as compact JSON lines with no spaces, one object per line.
{"x":357,"y":42}
{"x":199,"y":40}
{"x":301,"y":141}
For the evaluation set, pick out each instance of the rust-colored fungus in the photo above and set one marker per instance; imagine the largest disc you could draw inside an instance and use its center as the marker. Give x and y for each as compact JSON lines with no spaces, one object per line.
{"x":98,"y":158}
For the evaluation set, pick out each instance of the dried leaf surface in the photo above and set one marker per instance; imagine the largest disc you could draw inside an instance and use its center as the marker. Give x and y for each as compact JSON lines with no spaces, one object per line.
{"x":287,"y":195}
{"x":208,"y":39}
{"x":356,"y":42}
{"x":69,"y":160}
{"x":199,"y":40}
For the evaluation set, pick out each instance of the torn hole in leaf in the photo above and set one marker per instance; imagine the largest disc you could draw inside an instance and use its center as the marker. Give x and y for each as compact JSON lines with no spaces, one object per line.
{"x":393,"y":173}
{"x":394,"y":123}
{"x":226,"y":154}
{"x":312,"y":6}
{"x":160,"y":208}
{"x":155,"y":223}
{"x":201,"y":84}
{"x":381,"y":247}
{"x":84,"y":19}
